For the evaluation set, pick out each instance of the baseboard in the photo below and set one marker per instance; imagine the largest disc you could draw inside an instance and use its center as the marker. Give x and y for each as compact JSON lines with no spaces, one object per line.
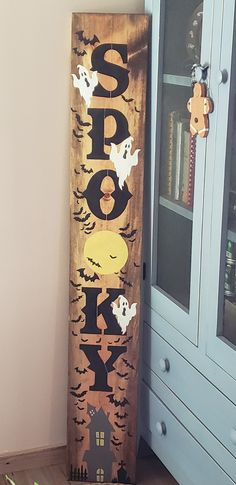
{"x":37,"y":458}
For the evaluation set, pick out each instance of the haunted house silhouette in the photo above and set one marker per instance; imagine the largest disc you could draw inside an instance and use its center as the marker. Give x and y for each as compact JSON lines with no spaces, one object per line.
{"x":99,"y":457}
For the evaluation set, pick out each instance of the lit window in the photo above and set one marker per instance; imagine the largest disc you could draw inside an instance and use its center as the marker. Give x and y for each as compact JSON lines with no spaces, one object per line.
{"x":100,"y":438}
{"x":100,"y":475}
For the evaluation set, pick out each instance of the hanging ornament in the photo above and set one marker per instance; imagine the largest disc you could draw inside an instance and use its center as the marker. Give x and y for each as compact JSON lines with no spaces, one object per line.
{"x":199,"y":106}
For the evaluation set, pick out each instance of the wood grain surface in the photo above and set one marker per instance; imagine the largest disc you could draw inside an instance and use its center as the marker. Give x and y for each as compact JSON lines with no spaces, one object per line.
{"x":109,"y":53}
{"x":36,"y":458}
{"x":150,"y":471}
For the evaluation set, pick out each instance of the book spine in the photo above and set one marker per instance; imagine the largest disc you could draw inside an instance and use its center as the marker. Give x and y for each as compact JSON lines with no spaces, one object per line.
{"x":170,"y":155}
{"x":178,"y":160}
{"x":192,"y":160}
{"x":186,"y":160}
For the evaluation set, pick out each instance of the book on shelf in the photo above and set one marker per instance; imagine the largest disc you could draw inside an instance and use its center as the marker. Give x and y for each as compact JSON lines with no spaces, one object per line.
{"x":180,"y":160}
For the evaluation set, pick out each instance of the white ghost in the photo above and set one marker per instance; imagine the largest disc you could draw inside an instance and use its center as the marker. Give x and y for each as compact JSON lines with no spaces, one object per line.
{"x":123,"y":312}
{"x":86,"y":83}
{"x":123,"y":160}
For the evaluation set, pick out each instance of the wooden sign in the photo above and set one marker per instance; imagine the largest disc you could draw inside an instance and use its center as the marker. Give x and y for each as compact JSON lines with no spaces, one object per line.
{"x":109,"y":63}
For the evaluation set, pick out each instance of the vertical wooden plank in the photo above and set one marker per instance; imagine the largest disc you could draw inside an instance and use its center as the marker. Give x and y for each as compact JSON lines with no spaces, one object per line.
{"x":108,"y":97}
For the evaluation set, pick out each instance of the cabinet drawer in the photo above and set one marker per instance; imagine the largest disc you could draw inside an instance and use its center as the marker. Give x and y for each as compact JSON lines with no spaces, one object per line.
{"x":178,"y":450}
{"x":211,"y":407}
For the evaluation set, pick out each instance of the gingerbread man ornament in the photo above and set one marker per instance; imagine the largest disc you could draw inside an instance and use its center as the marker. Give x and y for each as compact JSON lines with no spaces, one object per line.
{"x":199,"y":106}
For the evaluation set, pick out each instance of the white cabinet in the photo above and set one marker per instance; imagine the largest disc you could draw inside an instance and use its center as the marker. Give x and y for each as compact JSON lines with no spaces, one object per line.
{"x":190,"y":234}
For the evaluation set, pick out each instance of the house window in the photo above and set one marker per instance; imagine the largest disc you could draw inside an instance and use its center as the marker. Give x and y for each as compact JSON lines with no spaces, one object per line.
{"x":100,"y":475}
{"x":100,"y":438}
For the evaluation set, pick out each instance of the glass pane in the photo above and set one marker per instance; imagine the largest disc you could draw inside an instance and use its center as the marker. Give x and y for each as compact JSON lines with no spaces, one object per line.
{"x":183,"y":31}
{"x":229,"y":310}
{"x":177,"y":151}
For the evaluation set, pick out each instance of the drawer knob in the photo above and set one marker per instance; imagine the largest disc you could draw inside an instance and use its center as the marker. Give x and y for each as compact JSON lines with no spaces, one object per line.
{"x":233,"y":435}
{"x":164,"y":365}
{"x":161,"y":428}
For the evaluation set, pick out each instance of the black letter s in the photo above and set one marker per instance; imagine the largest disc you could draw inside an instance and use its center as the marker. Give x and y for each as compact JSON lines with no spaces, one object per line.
{"x":104,"y":67}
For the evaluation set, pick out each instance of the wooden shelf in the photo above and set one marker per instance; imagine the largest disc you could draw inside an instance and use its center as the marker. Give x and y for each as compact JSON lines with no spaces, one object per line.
{"x":177,"y":207}
{"x":177,"y":80}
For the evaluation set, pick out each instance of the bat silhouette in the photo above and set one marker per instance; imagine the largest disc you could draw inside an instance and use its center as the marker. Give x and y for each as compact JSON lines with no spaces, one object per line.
{"x":73,"y":393}
{"x":75,"y":334}
{"x":127,"y":283}
{"x":116,"y":444}
{"x":89,"y":226}
{"x":127,"y":236}
{"x":81,"y":400}
{"x":79,"y":440}
{"x":94,"y":262}
{"x":137,"y":110}
{"x":117,"y":403}
{"x":128,"y":364}
{"x":115,"y":341}
{"x":121,"y":426}
{"x":127,"y":100}
{"x":79,"y":423}
{"x":84,"y":340}
{"x":131,"y":240}
{"x":76,"y":172}
{"x":113,"y":257}
{"x":88,"y":232}
{"x":114,"y":438}
{"x":85,"y":170}
{"x":77,"y":369}
{"x":81,"y":409}
{"x":76,"y":387}
{"x":123,"y":272}
{"x":127,"y":340}
{"x":122,"y":375}
{"x":121,"y":416}
{"x":77,"y":320}
{"x":124,"y":228}
{"x":76,"y":299}
{"x":78,"y":52}
{"x":86,"y":224}
{"x":76,"y":194}
{"x":86,"y":40}
{"x":77,"y":136}
{"x":73,"y":110}
{"x":87,"y":277}
{"x":121,"y":388}
{"x":78,"y":212}
{"x":98,"y":341}
{"x":76,"y":285}
{"x":81,"y":122}
{"x":79,"y":395}
{"x":82,"y":219}
{"x":82,"y":394}
{"x":136,"y":265}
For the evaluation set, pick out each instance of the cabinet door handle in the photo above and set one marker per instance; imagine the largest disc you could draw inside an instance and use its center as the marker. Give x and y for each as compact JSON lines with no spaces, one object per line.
{"x":233,"y":435}
{"x":161,"y":428}
{"x":164,"y":365}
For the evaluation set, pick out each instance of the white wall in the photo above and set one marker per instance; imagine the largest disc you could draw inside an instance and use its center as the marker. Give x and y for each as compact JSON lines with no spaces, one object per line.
{"x":34,"y":215}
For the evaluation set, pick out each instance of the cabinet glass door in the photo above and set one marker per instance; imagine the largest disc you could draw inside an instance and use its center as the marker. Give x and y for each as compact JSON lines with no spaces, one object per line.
{"x":179,"y":164}
{"x":222,"y":262}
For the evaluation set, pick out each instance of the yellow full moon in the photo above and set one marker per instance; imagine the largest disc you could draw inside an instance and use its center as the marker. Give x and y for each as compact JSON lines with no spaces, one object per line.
{"x":106,"y":252}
